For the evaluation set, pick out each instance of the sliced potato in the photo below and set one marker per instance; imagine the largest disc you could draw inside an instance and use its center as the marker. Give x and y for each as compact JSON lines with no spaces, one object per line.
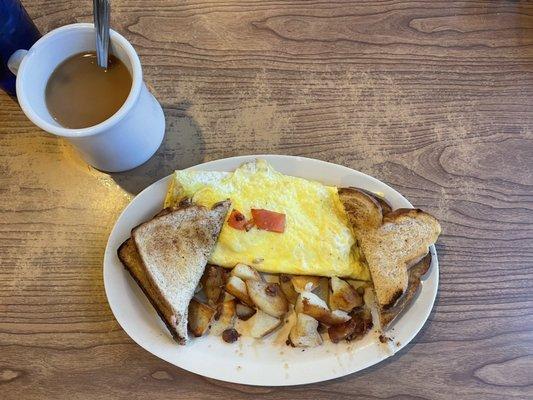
{"x":322,"y":328}
{"x":336,"y":317}
{"x":228,"y":297}
{"x":312,"y":305}
{"x":268,"y":297}
{"x":343,"y":296}
{"x":371,"y":306}
{"x":245,"y":272}
{"x":341,"y":331}
{"x":310,"y":298}
{"x":363,"y":323}
{"x":270,"y":278}
{"x":213,"y":281}
{"x":236,"y":287}
{"x":244,"y":312}
{"x":261,"y":324}
{"x":322,"y":289}
{"x":224,"y":318}
{"x":200,"y":316}
{"x":359,"y":286}
{"x":304,"y":333}
{"x":303,"y":283}
{"x":355,"y":328}
{"x":287,"y":288}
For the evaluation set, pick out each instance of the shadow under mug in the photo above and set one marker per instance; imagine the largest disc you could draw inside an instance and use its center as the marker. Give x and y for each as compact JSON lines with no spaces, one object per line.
{"x":125,"y":140}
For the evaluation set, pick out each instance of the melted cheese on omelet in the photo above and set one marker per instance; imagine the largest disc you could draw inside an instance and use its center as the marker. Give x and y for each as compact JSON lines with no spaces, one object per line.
{"x":317,"y":238}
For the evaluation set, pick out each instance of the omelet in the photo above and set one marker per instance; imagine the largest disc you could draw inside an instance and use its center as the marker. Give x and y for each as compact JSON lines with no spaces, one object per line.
{"x":317,"y":238}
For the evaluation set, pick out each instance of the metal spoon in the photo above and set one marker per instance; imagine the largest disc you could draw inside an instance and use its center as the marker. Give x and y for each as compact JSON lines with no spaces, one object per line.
{"x":101,"y":24}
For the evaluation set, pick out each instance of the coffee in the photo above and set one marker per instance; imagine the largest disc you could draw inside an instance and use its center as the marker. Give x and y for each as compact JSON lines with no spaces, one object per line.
{"x":80,"y":94}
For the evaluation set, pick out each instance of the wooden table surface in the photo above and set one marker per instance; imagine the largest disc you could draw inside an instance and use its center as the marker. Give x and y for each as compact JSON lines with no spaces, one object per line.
{"x":433,"y":98}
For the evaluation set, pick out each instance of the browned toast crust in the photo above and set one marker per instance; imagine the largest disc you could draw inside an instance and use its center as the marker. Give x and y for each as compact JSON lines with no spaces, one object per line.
{"x":385,"y":206}
{"x":364,"y":211}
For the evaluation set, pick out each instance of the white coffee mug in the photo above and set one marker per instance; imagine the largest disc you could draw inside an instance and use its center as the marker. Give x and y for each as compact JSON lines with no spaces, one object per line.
{"x":122,"y":142}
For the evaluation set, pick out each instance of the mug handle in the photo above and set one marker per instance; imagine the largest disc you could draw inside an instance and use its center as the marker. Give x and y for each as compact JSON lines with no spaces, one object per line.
{"x":14,"y":61}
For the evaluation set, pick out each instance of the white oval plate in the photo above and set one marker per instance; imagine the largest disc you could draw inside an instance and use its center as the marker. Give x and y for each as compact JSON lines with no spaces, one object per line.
{"x":266,"y":362}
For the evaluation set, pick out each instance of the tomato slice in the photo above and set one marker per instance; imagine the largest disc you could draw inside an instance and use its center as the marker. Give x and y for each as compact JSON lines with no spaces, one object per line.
{"x":237,"y":220}
{"x":268,"y":220}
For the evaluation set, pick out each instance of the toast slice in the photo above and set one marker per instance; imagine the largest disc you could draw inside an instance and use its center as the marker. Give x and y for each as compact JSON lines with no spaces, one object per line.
{"x":387,"y":317}
{"x":385,"y":206}
{"x":364,"y":211}
{"x":172,"y":252}
{"x":127,"y":253}
{"x":394,"y":247}
{"x":391,"y":247}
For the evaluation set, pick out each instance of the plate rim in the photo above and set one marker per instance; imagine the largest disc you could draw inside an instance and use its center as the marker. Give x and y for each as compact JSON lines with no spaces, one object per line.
{"x":241,"y":159}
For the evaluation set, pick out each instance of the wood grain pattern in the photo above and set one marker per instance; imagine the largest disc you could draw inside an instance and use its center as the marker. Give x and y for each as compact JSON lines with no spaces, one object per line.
{"x":434,"y":98}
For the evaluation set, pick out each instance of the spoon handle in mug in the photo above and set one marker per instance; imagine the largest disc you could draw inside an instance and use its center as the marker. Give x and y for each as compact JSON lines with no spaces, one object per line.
{"x":101,"y":23}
